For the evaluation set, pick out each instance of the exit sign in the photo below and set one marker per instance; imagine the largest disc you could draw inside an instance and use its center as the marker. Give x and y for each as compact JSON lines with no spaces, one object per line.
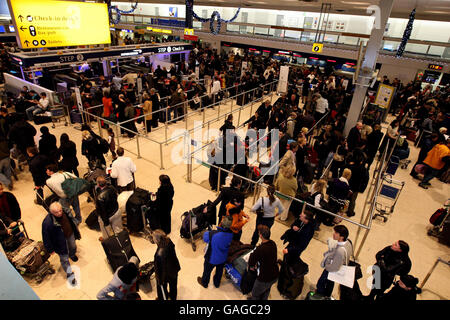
{"x":435,"y":67}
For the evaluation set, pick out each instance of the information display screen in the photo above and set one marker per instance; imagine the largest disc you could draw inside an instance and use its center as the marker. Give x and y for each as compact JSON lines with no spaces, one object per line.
{"x":48,"y":23}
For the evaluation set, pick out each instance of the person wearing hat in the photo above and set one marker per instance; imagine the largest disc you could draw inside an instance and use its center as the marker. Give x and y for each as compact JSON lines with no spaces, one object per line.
{"x":123,"y":283}
{"x":218,"y":242}
{"x":404,"y":290}
{"x":391,"y":261}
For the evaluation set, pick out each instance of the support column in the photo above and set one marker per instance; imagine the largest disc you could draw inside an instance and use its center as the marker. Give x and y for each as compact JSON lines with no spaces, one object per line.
{"x":189,"y":16}
{"x":368,"y":64}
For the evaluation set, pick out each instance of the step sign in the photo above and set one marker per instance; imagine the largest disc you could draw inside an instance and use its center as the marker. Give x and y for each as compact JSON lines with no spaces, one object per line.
{"x":317,"y":47}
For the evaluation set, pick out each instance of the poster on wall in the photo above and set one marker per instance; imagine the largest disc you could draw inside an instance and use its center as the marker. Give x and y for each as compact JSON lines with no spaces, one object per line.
{"x":384,"y":96}
{"x":173,"y":12}
{"x":283,"y":81}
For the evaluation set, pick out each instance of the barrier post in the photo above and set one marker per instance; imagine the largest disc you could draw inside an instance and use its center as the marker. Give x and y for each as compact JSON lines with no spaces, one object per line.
{"x":218,"y":181}
{"x":207,"y":133}
{"x":117,"y":135}
{"x":239,"y":117}
{"x":145,"y":126}
{"x":165,"y":124}
{"x":161,"y":155}
{"x":99,"y":128}
{"x":138,"y":149}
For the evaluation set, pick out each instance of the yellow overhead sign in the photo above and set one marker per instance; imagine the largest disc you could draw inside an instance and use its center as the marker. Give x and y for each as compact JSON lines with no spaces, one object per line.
{"x":48,"y":23}
{"x":317,"y":47}
{"x":159,"y":30}
{"x":188,"y":32}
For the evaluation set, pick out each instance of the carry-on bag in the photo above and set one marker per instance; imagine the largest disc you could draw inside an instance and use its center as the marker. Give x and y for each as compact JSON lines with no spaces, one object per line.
{"x":118,"y":249}
{"x":291,"y":279}
{"x":139,"y":198}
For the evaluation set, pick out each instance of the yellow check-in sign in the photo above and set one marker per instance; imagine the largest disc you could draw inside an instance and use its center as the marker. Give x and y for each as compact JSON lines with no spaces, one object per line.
{"x":317,"y":47}
{"x":47,"y":23}
{"x":188,"y":32}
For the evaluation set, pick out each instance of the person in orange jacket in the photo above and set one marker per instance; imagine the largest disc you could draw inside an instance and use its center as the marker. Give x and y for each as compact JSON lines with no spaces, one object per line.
{"x":239,"y":219}
{"x":435,"y":161}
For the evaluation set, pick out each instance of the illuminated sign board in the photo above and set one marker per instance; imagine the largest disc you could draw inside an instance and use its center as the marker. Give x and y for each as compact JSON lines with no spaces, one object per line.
{"x":157,"y":30}
{"x":435,"y":67}
{"x":48,"y":23}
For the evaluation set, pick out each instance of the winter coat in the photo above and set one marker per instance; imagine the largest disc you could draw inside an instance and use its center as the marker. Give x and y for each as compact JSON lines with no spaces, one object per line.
{"x":47,"y":146}
{"x":106,"y":204}
{"x":53,"y":235}
{"x":166,"y":263}
{"x":298,"y":240}
{"x":164,"y":202}
{"x":37,"y":166}
{"x":220,"y":243}
{"x":69,"y":156}
{"x":393,"y":263}
{"x":226,"y":195}
{"x":238,"y":220}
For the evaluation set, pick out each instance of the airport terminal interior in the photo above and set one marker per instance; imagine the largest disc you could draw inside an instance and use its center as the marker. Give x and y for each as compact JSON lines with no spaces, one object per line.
{"x":231,"y":99}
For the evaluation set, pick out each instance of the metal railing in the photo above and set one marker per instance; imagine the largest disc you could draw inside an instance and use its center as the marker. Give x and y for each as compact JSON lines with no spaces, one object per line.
{"x":139,"y":136}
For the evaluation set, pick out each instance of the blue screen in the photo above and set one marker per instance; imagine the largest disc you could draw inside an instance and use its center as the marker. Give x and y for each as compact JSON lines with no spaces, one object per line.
{"x":2,"y":29}
{"x":11,"y":28}
{"x":38,"y":73}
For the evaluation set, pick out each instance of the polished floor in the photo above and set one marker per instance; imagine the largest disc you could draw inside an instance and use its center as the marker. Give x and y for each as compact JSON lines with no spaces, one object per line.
{"x":409,"y":222}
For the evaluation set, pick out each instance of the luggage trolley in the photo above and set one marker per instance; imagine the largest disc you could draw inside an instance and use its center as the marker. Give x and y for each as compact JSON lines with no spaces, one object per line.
{"x":58,"y":113}
{"x":390,"y":191}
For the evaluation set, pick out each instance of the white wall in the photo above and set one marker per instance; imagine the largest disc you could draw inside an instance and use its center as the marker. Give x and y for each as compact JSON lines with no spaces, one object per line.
{"x":405,"y":74}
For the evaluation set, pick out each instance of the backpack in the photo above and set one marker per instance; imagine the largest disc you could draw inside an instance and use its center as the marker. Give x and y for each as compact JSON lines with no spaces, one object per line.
{"x":74,"y":186}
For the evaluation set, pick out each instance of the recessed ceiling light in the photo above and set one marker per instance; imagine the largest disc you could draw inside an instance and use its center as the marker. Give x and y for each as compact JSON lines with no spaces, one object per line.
{"x":435,"y":12}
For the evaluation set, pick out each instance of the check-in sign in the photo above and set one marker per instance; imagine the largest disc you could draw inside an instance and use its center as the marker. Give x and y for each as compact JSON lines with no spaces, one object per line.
{"x":47,"y":23}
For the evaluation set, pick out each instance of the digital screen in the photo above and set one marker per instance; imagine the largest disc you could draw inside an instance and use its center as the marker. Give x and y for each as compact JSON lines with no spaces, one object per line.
{"x":435,"y":67}
{"x":11,"y":29}
{"x":48,"y":23}
{"x":2,"y":29}
{"x":38,"y":73}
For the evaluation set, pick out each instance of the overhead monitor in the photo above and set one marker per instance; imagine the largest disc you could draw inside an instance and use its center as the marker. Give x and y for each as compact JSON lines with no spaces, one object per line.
{"x":11,"y":29}
{"x":2,"y":29}
{"x":48,"y":23}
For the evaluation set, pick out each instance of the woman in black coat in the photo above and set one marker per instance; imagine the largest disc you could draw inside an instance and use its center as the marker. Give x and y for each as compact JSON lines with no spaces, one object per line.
{"x":68,"y":151}
{"x":90,"y":147}
{"x":47,"y":144}
{"x":164,"y":202}
{"x":166,"y":266}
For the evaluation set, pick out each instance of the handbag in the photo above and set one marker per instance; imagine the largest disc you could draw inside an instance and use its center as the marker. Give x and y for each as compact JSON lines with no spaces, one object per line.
{"x":260,"y":211}
{"x":353,"y":263}
{"x":74,"y":186}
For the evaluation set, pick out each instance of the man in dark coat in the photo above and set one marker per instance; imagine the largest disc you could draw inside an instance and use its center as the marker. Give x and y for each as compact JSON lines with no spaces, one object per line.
{"x":47,"y":145}
{"x":22,"y":134}
{"x":354,"y":137}
{"x":9,"y":206}
{"x":59,"y":233}
{"x":107,"y":209}
{"x":373,"y":142}
{"x":37,"y":166}
{"x":391,"y":261}
{"x":359,"y":179}
{"x":229,"y":194}
{"x":167,"y":266}
{"x":298,"y":237}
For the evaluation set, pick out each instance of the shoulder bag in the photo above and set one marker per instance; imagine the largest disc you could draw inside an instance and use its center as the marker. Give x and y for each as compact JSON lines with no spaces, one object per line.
{"x":74,"y":186}
{"x":260,"y":211}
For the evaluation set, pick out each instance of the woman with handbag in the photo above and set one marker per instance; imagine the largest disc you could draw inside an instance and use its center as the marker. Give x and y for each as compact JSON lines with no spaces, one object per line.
{"x":265,"y":211}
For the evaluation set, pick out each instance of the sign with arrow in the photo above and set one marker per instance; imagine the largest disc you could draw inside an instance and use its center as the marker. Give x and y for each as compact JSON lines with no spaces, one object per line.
{"x":317,"y":47}
{"x":48,"y":23}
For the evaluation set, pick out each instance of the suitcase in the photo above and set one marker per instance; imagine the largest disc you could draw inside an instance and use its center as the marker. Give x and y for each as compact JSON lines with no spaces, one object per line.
{"x":393,"y":165}
{"x":139,"y":198}
{"x":445,"y":177}
{"x":248,"y":281}
{"x":234,"y":275}
{"x":92,"y":221}
{"x":118,"y":249}
{"x":41,"y":119}
{"x":437,"y":217}
{"x":75,"y":116}
{"x":291,"y":279}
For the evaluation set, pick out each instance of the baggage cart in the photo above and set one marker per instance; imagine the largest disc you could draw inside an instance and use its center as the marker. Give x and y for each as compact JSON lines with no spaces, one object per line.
{"x":58,"y":114}
{"x":388,"y":196}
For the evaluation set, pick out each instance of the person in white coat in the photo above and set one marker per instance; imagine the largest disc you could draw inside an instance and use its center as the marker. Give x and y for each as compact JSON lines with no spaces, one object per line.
{"x":123,"y":169}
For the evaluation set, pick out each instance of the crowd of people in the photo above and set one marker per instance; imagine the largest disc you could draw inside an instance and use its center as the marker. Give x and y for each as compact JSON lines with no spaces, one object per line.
{"x":313,"y":97}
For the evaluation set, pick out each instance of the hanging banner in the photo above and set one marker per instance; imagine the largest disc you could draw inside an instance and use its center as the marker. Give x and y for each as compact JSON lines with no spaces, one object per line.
{"x":283,"y":80}
{"x":384,"y":96}
{"x":79,"y":102}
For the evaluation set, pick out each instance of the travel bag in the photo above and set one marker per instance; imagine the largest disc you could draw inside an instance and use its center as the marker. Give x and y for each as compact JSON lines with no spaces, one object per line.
{"x":139,"y":198}
{"x":92,"y":221}
{"x":291,"y":279}
{"x":118,"y":249}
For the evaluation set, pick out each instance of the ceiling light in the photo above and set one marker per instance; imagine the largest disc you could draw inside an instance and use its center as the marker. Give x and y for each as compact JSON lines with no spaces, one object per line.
{"x":435,"y":12}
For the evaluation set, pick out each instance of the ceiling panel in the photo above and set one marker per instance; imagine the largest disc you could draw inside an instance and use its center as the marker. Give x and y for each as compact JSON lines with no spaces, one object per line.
{"x":438,"y":10}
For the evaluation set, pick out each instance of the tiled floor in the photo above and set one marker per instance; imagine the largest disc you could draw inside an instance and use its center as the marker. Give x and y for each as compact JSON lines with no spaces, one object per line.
{"x":409,"y":222}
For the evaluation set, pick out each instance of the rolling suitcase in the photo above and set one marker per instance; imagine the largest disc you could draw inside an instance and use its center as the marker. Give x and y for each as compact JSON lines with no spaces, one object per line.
{"x":139,"y":198}
{"x":92,"y":221}
{"x":291,"y":279}
{"x":118,"y":249}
